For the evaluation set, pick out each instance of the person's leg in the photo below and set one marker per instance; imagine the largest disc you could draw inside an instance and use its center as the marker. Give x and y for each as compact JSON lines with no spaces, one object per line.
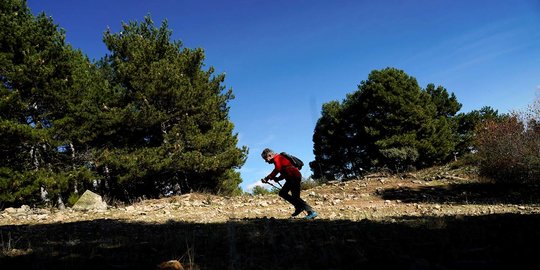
{"x":301,"y":204}
{"x":284,"y":193}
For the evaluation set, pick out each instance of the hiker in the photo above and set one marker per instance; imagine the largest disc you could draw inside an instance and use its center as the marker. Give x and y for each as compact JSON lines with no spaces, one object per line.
{"x":292,"y":177}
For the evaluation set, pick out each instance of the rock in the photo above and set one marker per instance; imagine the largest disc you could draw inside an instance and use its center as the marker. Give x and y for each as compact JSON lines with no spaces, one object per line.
{"x":170,"y":265}
{"x":42,"y":217}
{"x":90,"y":201}
{"x":60,"y":217}
{"x":196,"y":203}
{"x":10,"y":210}
{"x":24,"y":209}
{"x":336,"y":201}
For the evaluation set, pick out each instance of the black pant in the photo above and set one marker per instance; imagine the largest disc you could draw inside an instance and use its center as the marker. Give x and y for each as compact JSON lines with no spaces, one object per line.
{"x":294,"y":198}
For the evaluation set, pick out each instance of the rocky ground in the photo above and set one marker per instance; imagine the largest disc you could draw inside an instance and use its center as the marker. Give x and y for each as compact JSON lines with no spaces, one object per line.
{"x":439,"y":218}
{"x":439,"y":192}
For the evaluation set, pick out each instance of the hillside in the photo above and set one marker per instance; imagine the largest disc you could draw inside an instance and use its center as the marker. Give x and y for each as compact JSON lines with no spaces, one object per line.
{"x":432,"y":219}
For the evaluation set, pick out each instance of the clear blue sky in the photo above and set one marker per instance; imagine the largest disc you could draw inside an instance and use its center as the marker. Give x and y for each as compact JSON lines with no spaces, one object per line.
{"x":293,"y":56}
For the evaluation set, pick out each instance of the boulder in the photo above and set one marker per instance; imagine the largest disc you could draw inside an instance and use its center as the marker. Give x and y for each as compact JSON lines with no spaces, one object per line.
{"x":90,"y":201}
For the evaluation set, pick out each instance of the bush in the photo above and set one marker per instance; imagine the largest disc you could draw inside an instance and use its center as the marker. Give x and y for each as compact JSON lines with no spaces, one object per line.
{"x":469,"y":159}
{"x":509,"y":149}
{"x":259,"y":190}
{"x":309,"y":183}
{"x":399,"y":157}
{"x":18,"y":188}
{"x":72,"y":199}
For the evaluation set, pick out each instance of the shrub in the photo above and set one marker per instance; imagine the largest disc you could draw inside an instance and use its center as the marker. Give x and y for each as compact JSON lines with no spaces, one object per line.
{"x":509,"y":149}
{"x":259,"y":190}
{"x":72,"y":199}
{"x":399,"y":157}
{"x":309,"y":183}
{"x":468,"y":159}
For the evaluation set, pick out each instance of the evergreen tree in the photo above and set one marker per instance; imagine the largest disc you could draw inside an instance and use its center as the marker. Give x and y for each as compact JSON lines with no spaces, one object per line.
{"x":389,"y":122}
{"x":37,"y":75}
{"x":143,"y":121}
{"x":445,"y":104}
{"x":328,"y":144}
{"x":441,"y":141}
{"x":467,"y":124}
{"x":387,"y":113}
{"x":169,"y":124}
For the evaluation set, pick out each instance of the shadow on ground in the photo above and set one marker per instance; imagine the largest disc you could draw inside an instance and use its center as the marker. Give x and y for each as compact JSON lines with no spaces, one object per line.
{"x":468,"y":193}
{"x":482,"y":242}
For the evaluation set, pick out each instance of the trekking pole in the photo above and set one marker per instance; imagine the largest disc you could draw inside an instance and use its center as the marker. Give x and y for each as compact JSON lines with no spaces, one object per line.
{"x":272,"y":185}
{"x":275,"y":185}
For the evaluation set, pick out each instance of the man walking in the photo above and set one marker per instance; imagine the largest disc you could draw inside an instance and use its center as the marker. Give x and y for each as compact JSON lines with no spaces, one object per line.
{"x":292,"y":177}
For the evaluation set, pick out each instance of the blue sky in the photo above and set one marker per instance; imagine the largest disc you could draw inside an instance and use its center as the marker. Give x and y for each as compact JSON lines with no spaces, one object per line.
{"x":284,"y":59}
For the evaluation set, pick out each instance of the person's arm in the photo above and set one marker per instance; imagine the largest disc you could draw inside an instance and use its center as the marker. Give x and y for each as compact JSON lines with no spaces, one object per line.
{"x":272,"y":175}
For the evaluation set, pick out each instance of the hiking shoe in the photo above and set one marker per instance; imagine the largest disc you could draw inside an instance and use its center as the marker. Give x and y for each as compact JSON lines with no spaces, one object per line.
{"x":297,"y":212}
{"x":311,"y":215}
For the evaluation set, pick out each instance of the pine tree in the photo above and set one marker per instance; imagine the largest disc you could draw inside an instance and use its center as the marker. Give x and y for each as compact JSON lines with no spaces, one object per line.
{"x":445,"y":104}
{"x":146,"y":120}
{"x":467,"y":123}
{"x":388,"y":123}
{"x":171,"y":126}
{"x":37,"y":74}
{"x":387,"y":113}
{"x":328,"y":144}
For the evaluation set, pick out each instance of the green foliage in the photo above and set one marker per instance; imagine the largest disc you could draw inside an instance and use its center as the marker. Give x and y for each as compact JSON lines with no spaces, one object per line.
{"x":389,"y":122}
{"x":146,"y":120}
{"x":259,"y":190}
{"x":229,"y":184}
{"x":467,"y":160}
{"x":330,"y":144}
{"x":170,"y":117}
{"x":403,"y":155}
{"x":445,"y":104}
{"x":509,"y":149}
{"x":467,"y":124}
{"x":18,"y":188}
{"x":73,"y":198}
{"x":39,"y":75}
{"x":309,"y":183}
